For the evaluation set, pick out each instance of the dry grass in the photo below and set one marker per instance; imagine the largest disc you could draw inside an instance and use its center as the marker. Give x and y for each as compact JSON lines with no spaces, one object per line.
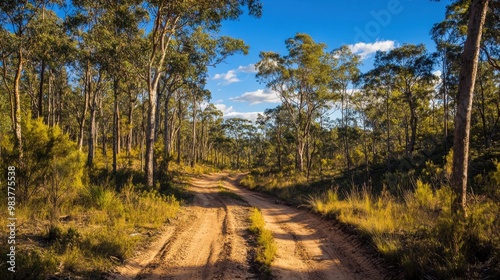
{"x":100,"y":227}
{"x":266,"y":248}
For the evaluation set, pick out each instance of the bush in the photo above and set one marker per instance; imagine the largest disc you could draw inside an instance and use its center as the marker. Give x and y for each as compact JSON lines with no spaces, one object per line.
{"x":52,"y":166}
{"x":248,"y":182}
{"x":30,"y":264}
{"x":100,"y":197}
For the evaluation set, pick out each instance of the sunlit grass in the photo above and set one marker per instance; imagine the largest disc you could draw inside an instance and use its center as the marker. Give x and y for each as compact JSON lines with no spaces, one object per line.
{"x":98,"y":230}
{"x":413,"y":228}
{"x":266,"y":248}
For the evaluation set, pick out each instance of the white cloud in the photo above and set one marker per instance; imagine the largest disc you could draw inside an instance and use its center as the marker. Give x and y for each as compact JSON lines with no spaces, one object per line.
{"x":229,"y":112}
{"x":228,"y":78}
{"x":247,"y":69}
{"x":231,"y":76}
{"x":258,"y":96}
{"x":365,"y":49}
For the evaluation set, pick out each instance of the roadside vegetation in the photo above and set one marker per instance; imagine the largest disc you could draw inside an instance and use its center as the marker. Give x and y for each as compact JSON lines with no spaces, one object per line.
{"x":73,"y":222}
{"x":410,"y":226}
{"x":104,"y":119}
{"x":266,"y":248}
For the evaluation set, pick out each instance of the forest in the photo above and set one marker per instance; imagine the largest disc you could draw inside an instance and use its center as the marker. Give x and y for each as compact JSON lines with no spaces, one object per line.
{"x":105,"y":119}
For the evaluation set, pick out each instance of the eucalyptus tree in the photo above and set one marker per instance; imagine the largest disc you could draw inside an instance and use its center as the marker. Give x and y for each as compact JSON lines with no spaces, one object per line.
{"x":301,"y":79}
{"x":476,"y":23}
{"x":211,"y":118}
{"x":412,"y":67}
{"x":448,"y":52}
{"x":119,"y":49}
{"x":345,"y":74}
{"x":485,"y":116}
{"x":275,"y":122}
{"x":378,"y":83}
{"x":467,"y":79}
{"x":238,"y":130}
{"x":205,"y":50}
{"x":15,"y":51}
{"x":52,"y":49}
{"x":170,"y":18}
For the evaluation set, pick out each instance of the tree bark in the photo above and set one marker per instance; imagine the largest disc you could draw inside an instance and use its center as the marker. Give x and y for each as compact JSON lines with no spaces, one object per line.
{"x":467,"y":78}
{"x":116,"y":127}
{"x":40,"y":92}
{"x":150,"y":138}
{"x":86,"y":92}
{"x":193,"y":144}
{"x":130,"y":123}
{"x":179,"y":116}
{"x":16,"y":107}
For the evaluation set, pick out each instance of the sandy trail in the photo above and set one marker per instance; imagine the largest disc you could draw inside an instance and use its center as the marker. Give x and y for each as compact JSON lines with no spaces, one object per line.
{"x":210,"y":241}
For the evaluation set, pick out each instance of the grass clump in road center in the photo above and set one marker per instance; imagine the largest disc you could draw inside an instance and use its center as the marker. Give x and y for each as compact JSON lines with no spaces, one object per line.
{"x":226,"y":192}
{"x":266,"y":248}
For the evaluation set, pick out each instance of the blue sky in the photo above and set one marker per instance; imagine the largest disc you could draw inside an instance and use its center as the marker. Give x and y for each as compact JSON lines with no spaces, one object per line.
{"x":366,"y":25}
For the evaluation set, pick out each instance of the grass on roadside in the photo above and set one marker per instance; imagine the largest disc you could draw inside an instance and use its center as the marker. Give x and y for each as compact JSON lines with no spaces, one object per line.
{"x":98,"y":229}
{"x":413,"y":228}
{"x":266,"y":248}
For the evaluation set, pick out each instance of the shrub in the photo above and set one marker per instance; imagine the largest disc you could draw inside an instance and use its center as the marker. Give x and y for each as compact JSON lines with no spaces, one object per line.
{"x":100,"y":197}
{"x":248,"y":182}
{"x":52,"y":166}
{"x":31,"y":264}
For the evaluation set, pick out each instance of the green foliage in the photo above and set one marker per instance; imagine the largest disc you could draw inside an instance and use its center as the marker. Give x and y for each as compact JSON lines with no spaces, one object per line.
{"x":257,"y":221}
{"x":424,"y":196}
{"x":248,"y":182}
{"x":433,"y":244}
{"x":100,"y":197}
{"x":52,"y":166}
{"x":31,"y":263}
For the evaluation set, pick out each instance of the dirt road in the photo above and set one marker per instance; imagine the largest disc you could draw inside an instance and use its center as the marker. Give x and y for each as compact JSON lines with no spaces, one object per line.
{"x":210,"y":241}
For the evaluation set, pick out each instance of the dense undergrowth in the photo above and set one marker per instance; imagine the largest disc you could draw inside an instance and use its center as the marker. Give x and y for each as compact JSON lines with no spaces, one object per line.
{"x":411,"y":227}
{"x":99,"y":227}
{"x":78,"y":222}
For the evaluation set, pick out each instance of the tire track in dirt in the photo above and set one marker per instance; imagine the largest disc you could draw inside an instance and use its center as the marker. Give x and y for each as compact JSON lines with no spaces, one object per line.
{"x":308,"y":246}
{"x":207,"y":241}
{"x":210,"y":241}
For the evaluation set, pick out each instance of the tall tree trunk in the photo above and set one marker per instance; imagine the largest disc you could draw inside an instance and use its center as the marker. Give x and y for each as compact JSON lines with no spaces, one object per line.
{"x":445,"y":101}
{"x":130,"y":123}
{"x":279,"y":147}
{"x":86,"y":92}
{"x":92,"y":135}
{"x":166,"y":134}
{"x":193,"y":143}
{"x":16,"y":108}
{"x":467,"y":78}
{"x":482,"y":111}
{"x":40,"y":92}
{"x":150,"y":139}
{"x":388,"y":119}
{"x":116,"y":128}
{"x":413,"y":127}
{"x":179,"y":116}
